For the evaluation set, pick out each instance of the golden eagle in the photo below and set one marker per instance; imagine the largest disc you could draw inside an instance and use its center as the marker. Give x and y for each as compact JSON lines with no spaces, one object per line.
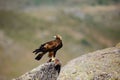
{"x":51,"y":47}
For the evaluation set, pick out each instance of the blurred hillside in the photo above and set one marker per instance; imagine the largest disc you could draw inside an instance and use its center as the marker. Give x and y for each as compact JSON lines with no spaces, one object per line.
{"x":25,"y":24}
{"x":21,"y":4}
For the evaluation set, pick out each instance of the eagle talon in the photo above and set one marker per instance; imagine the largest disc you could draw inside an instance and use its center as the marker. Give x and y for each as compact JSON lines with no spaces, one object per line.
{"x":53,"y":59}
{"x":49,"y":60}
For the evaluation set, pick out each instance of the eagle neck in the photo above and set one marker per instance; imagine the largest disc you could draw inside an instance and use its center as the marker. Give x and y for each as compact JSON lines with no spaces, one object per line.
{"x":58,"y":39}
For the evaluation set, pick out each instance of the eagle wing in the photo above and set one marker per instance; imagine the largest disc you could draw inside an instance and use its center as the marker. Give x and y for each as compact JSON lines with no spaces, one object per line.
{"x":50,"y":45}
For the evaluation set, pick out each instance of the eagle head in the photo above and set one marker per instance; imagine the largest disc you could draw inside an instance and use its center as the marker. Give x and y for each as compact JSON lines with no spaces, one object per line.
{"x":58,"y":37}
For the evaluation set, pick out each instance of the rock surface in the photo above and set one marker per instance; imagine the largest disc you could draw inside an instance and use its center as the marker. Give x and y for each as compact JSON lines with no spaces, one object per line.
{"x":45,"y":71}
{"x":98,"y":65}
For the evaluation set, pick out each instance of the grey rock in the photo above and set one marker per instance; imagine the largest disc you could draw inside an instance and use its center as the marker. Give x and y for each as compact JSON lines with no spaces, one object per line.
{"x":45,"y":71}
{"x":99,"y":65}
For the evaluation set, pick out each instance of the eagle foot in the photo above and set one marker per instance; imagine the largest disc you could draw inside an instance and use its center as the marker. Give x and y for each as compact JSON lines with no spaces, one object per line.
{"x":50,"y":60}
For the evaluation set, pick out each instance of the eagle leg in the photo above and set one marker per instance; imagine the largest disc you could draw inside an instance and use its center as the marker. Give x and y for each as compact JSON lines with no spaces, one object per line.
{"x":51,"y":59}
{"x":53,"y":56}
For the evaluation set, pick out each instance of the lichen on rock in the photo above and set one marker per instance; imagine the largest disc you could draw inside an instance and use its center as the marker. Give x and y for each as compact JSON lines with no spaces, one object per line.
{"x":45,"y":71}
{"x":99,"y":65}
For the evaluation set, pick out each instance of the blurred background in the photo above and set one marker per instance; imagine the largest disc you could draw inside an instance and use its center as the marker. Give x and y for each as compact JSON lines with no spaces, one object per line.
{"x":85,"y":26}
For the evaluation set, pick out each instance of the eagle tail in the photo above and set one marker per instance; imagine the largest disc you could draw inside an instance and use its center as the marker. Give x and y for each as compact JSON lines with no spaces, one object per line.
{"x":41,"y":49}
{"x":39,"y":56}
{"x":36,"y":51}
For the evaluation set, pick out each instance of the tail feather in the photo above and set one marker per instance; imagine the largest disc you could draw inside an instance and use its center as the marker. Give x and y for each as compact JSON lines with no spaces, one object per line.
{"x":36,"y":51}
{"x":39,"y":56}
{"x":40,"y":49}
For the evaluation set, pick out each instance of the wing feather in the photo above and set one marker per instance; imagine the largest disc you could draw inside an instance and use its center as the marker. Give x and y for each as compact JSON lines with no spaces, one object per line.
{"x":51,"y":45}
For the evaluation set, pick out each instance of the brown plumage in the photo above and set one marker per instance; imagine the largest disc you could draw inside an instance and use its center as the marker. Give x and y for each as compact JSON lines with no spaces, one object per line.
{"x":52,"y":47}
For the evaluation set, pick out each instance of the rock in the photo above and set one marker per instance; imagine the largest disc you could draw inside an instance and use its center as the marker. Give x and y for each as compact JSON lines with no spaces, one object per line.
{"x":46,"y":71}
{"x":99,"y":65}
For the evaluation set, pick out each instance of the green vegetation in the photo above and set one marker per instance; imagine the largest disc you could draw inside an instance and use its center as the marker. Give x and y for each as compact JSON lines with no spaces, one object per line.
{"x":47,"y":2}
{"x":106,"y":2}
